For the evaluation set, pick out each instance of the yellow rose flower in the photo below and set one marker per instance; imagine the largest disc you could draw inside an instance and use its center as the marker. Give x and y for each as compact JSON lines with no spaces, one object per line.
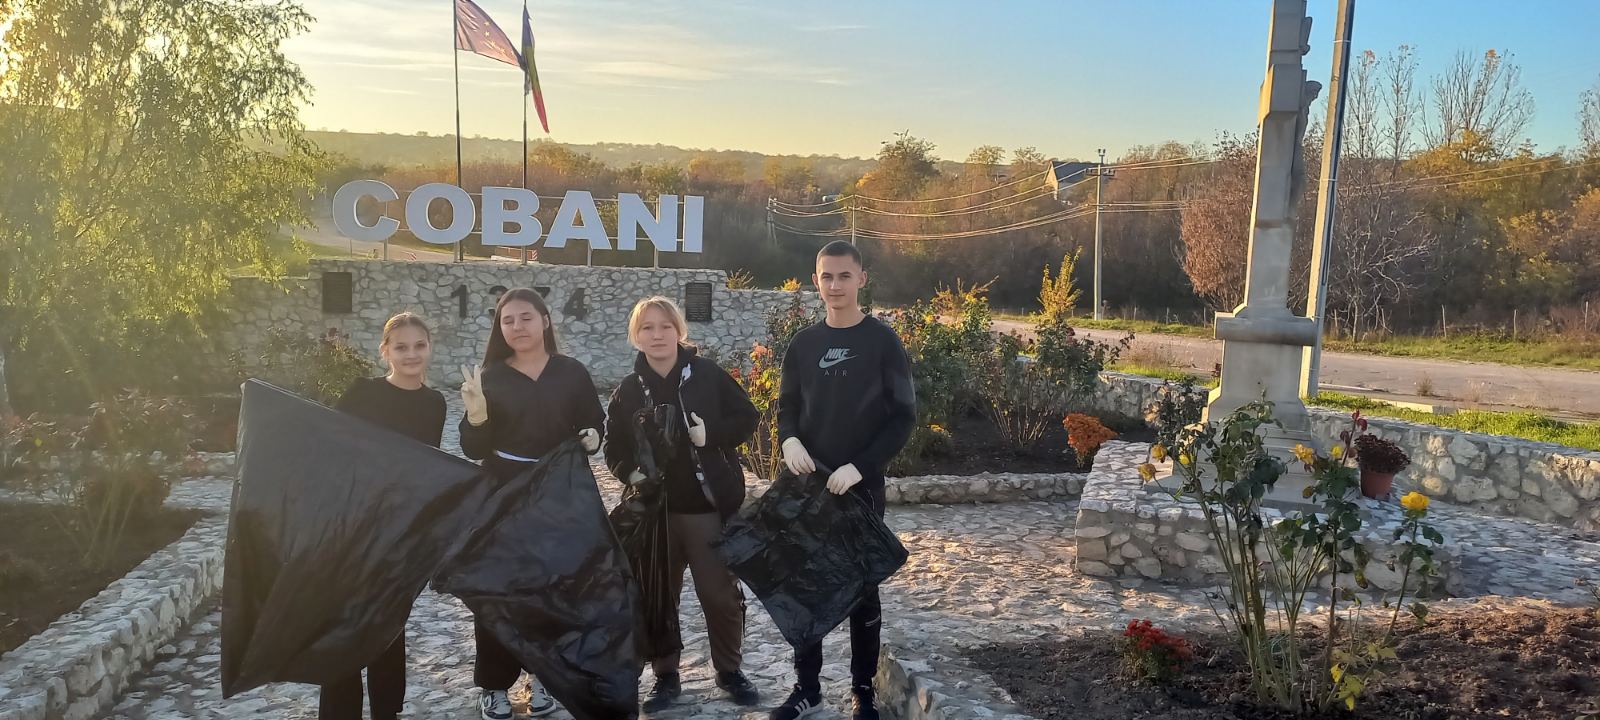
{"x":1185,"y":460}
{"x":1414,"y":501}
{"x":1158,"y":451}
{"x":1306,"y":455}
{"x":1337,"y":452}
{"x":1147,"y":471}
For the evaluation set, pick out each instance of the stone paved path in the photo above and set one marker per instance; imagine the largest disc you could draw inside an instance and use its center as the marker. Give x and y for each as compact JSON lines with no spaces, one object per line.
{"x":977,"y":573}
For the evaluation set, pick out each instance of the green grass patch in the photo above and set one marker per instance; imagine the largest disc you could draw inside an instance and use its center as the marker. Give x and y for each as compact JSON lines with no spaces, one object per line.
{"x":1582,"y":354}
{"x":1529,"y":426}
{"x":1543,"y":351}
{"x":1145,"y":326}
{"x":1133,"y":326}
{"x":1165,"y":373}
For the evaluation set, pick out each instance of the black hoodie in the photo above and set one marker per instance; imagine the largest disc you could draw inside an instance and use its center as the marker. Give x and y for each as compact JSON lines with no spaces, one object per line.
{"x":695,"y":385}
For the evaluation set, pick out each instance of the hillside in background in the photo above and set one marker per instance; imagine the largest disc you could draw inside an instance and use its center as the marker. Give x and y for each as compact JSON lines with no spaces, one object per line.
{"x":400,"y":151}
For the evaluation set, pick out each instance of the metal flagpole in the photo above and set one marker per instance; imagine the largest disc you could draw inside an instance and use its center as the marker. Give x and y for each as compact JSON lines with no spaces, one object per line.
{"x":455,"y":59}
{"x":527,"y":90}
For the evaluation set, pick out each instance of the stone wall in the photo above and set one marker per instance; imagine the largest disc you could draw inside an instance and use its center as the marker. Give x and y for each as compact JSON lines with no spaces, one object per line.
{"x":76,"y":668}
{"x":1129,"y":528}
{"x":590,"y":306}
{"x":1494,"y":474}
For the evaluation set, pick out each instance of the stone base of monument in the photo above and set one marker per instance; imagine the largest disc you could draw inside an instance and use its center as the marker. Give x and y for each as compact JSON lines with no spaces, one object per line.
{"x":1128,"y":528}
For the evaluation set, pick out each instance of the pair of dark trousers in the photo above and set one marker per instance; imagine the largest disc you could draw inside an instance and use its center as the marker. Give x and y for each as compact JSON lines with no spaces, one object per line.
{"x":866,"y":626}
{"x":495,"y":668}
{"x":866,"y":622}
{"x":721,"y":598}
{"x":386,"y":688}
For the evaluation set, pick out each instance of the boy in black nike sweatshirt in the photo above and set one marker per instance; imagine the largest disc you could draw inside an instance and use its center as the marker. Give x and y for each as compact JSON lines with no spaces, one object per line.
{"x":845,"y":405}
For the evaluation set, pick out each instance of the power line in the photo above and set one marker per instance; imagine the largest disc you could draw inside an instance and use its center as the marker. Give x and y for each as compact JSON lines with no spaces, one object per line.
{"x":779,"y":208}
{"x":992,"y":205}
{"x":1034,"y":176}
{"x":1459,"y":174}
{"x":1162,"y":164}
{"x":1020,"y":225}
{"x":1422,"y":184}
{"x":856,"y":196}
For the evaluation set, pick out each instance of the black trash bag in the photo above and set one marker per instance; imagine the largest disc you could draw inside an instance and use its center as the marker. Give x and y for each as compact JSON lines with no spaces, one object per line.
{"x":336,"y":527}
{"x":640,"y":521}
{"x":547,"y":576}
{"x":809,"y":555}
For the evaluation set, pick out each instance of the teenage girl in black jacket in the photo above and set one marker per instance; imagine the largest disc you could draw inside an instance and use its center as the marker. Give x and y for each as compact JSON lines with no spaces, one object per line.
{"x":704,"y":479}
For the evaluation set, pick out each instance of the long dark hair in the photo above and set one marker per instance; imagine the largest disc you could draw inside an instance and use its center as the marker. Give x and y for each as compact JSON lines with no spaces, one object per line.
{"x":498,"y":351}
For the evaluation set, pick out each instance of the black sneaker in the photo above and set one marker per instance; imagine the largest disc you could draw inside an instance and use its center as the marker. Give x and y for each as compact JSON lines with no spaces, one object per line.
{"x":801,"y":703}
{"x":865,"y":705}
{"x":667,"y":689}
{"x":739,"y":688}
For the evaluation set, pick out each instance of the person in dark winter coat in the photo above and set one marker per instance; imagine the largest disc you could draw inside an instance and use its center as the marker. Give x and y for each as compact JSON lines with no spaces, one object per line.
{"x":704,"y":479}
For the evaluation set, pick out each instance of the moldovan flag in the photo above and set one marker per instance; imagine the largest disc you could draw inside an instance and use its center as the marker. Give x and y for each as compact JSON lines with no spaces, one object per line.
{"x":476,"y":33}
{"x":532,"y":84}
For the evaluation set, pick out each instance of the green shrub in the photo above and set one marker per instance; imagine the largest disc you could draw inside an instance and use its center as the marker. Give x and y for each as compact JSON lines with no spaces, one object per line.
{"x":1028,"y":386}
{"x":758,"y":373}
{"x":1059,"y":296}
{"x":317,"y":368}
{"x":137,"y":422}
{"x":1176,"y":407}
{"x":99,"y":474}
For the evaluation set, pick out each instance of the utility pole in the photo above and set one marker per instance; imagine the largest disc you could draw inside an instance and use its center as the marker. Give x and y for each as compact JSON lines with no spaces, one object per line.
{"x":772,"y":237}
{"x":852,"y":221}
{"x":1327,"y":198}
{"x":1099,"y":183}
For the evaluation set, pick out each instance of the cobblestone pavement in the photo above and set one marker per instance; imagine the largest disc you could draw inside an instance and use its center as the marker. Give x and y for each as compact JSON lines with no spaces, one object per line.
{"x":977,"y":573}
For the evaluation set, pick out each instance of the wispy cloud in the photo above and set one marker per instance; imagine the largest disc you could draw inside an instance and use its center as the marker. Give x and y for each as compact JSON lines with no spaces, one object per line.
{"x":620,"y":46}
{"x":831,"y":28}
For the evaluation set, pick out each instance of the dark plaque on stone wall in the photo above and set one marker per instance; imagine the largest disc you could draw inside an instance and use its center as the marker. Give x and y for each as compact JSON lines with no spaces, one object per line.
{"x":697,"y":301}
{"x":575,"y":308}
{"x":337,"y":291}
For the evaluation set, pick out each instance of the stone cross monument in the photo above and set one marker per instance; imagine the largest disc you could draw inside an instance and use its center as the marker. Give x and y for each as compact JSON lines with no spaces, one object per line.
{"x":1262,"y":340}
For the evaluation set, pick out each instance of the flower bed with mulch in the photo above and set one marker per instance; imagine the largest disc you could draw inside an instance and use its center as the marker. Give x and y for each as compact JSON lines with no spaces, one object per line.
{"x":976,"y":446}
{"x":1533,"y":664}
{"x":42,"y":575}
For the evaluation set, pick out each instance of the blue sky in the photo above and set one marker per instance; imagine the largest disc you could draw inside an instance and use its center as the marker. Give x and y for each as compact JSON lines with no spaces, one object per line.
{"x":833,"y":77}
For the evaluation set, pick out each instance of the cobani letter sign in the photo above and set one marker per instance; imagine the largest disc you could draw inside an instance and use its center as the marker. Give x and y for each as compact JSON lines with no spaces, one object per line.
{"x":508,"y":217}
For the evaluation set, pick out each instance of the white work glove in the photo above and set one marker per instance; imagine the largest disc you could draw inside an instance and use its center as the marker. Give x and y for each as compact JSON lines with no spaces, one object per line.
{"x":472,"y":395}
{"x":796,"y":458}
{"x":590,"y":438}
{"x":635,"y":477}
{"x":697,"y":430}
{"x":843,"y":479}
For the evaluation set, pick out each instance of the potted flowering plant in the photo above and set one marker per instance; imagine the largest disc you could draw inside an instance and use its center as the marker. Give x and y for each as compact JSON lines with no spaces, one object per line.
{"x":1379,"y":459}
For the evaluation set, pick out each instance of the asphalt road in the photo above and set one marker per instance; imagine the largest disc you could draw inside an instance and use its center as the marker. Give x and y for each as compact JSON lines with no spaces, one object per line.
{"x":324,"y":236}
{"x":1468,"y":385}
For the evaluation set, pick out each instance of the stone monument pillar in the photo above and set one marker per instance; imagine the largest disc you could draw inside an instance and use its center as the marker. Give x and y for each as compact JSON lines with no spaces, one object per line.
{"x":1262,"y":340}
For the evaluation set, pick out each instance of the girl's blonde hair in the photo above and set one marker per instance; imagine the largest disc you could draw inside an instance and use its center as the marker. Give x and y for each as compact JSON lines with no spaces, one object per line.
{"x":664,"y":304}
{"x":405,"y":319}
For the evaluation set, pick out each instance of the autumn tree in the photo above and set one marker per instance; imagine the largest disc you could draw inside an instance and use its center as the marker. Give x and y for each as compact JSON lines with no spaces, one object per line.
{"x":1485,"y":98}
{"x":151,"y":150}
{"x":1216,"y":226}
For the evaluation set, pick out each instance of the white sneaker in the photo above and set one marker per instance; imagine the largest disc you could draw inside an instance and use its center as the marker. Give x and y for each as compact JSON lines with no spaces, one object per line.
{"x":494,"y":704}
{"x":540,"y":703}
